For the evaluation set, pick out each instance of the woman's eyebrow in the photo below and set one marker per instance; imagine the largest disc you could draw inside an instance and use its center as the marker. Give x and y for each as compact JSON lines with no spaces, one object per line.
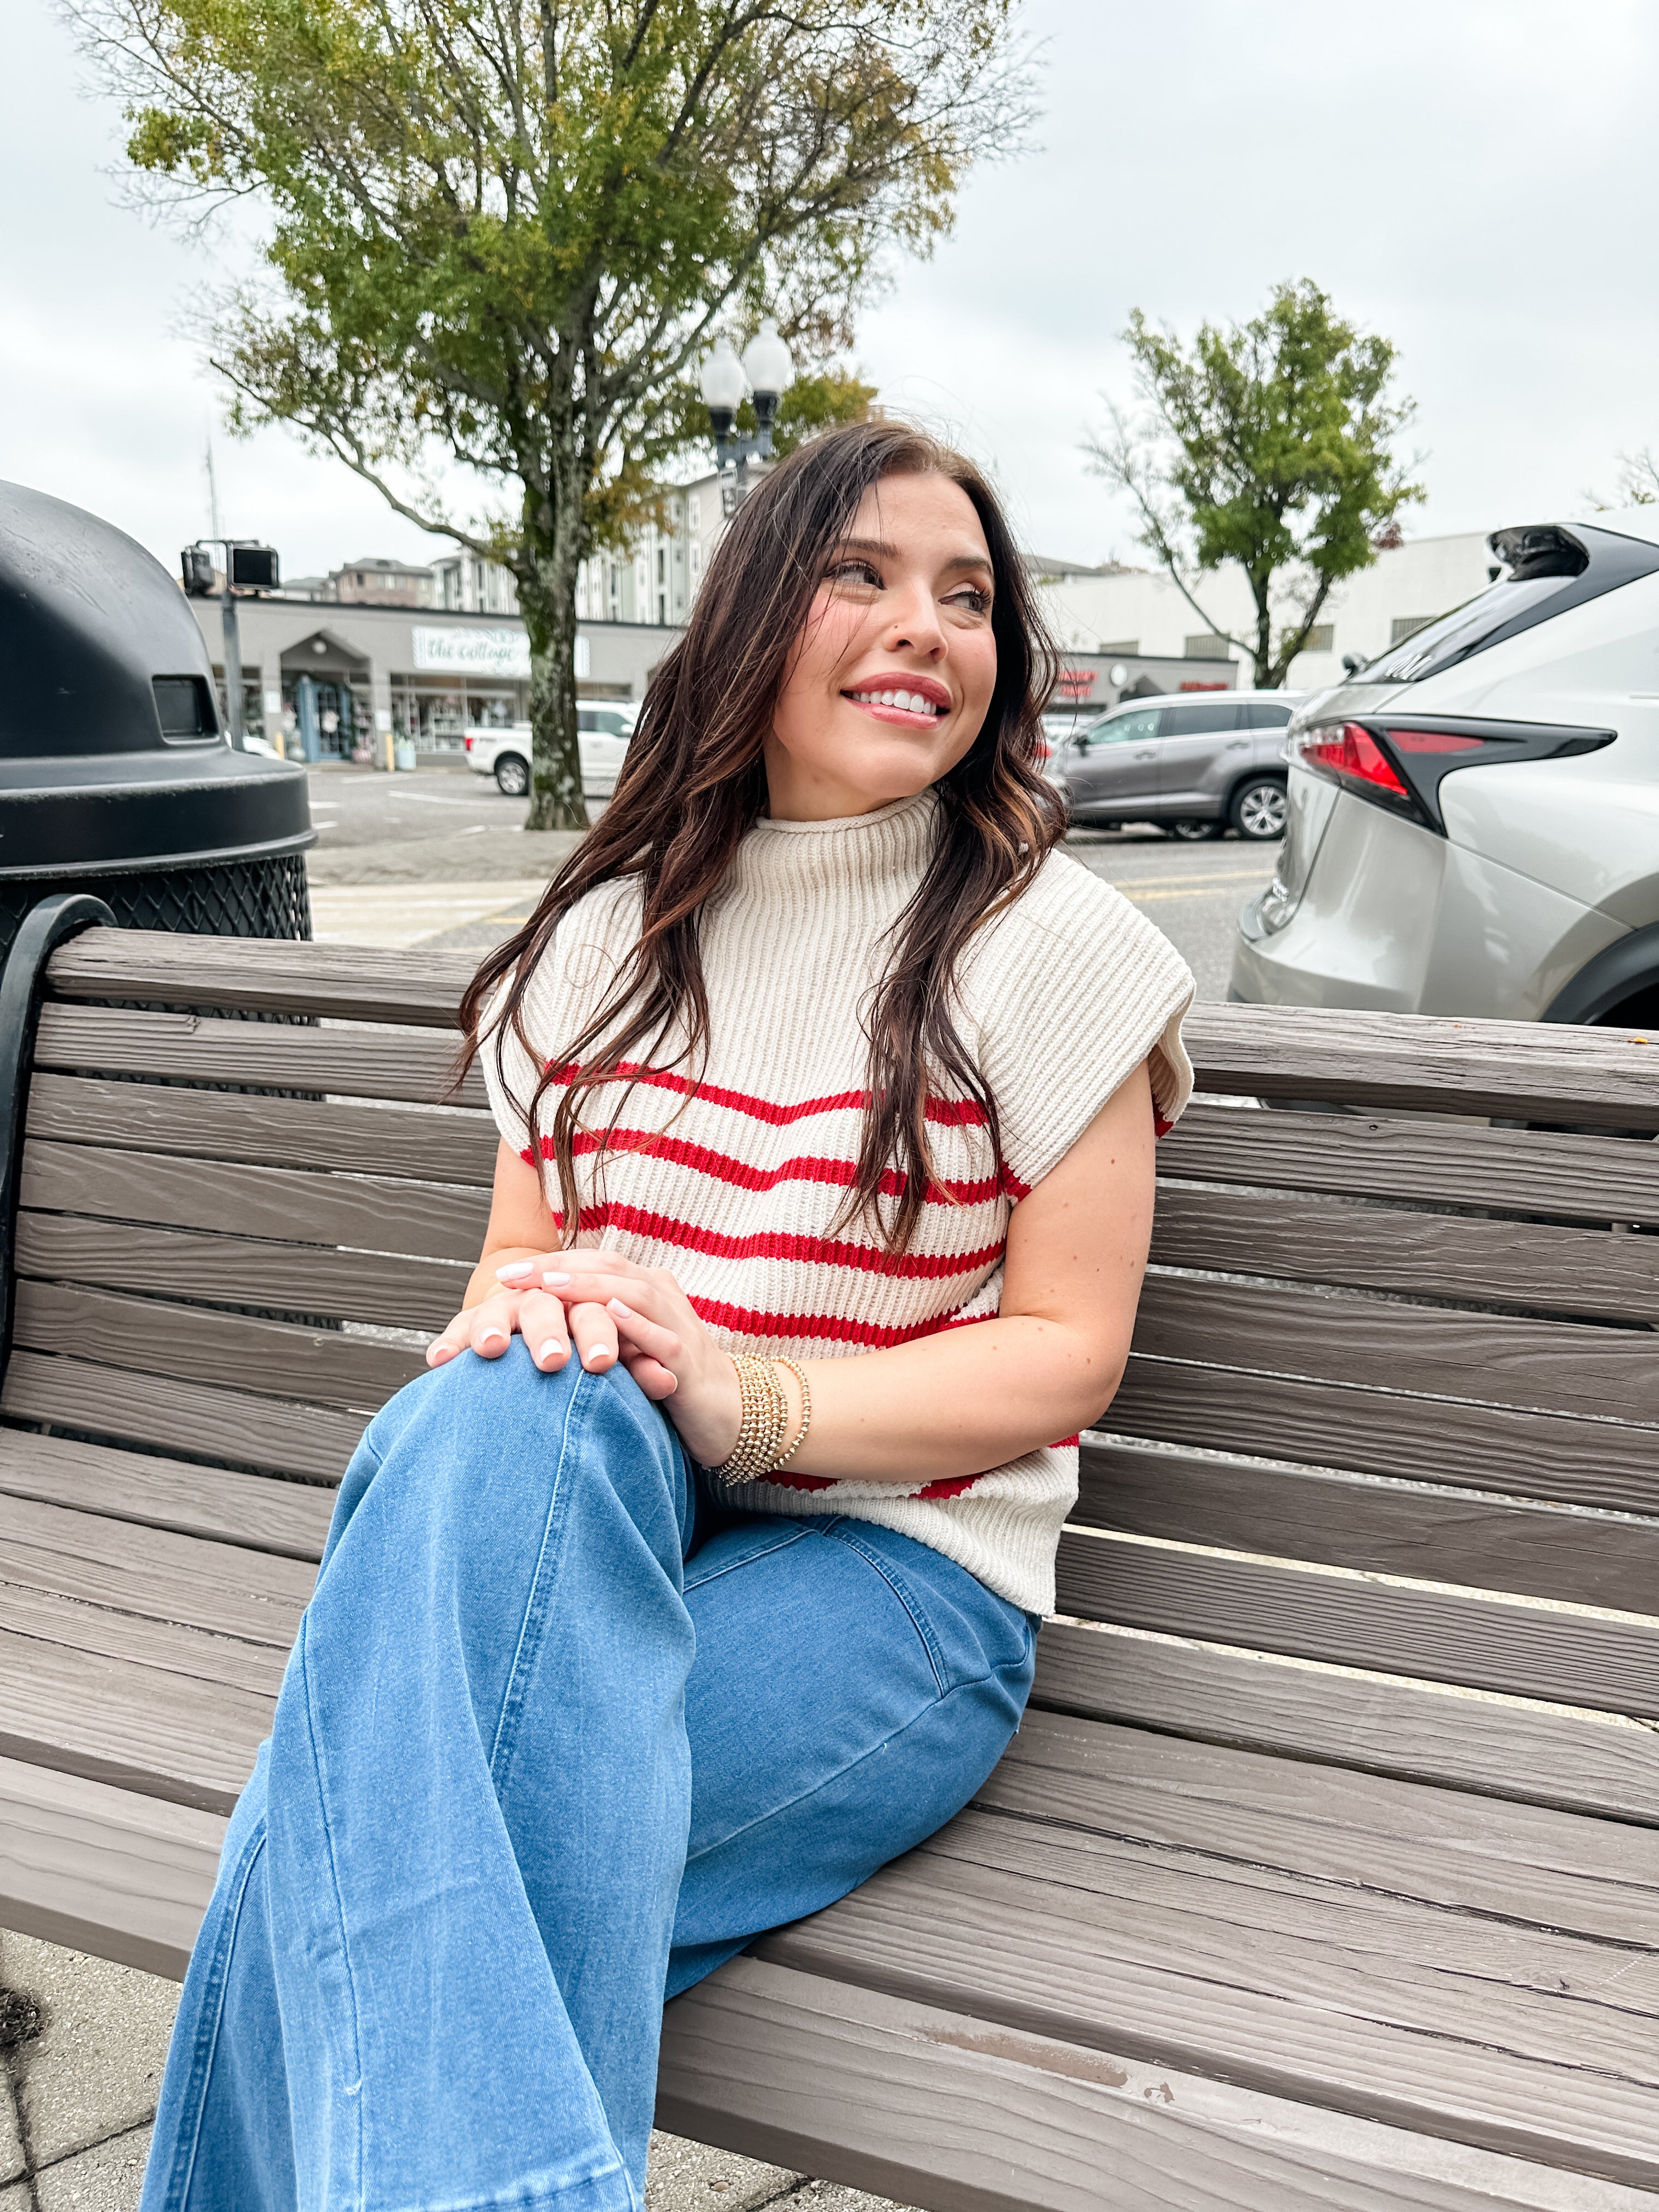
{"x":885,"y":552}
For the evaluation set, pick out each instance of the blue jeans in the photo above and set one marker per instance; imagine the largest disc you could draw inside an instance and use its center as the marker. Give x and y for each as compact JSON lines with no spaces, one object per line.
{"x":541,"y":1758}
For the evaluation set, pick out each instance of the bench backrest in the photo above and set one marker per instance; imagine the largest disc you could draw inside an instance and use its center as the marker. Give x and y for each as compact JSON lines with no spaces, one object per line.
{"x":1393,"y":1406}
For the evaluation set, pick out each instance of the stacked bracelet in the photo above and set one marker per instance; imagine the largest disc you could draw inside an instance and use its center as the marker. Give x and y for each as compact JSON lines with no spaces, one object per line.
{"x":765,"y":1416}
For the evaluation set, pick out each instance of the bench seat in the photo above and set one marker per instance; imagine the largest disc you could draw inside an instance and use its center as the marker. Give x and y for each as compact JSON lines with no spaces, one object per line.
{"x":1323,"y":1870}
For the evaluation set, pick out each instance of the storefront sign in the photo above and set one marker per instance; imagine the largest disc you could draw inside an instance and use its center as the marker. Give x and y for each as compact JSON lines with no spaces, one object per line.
{"x":504,"y":652}
{"x":474,"y":652}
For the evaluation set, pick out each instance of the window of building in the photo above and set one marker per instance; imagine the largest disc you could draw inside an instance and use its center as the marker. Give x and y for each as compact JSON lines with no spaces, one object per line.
{"x":1129,"y":646}
{"x":696,"y":559}
{"x":694,"y":510}
{"x":1321,"y":638}
{"x":1404,"y":626}
{"x":1204,"y":646}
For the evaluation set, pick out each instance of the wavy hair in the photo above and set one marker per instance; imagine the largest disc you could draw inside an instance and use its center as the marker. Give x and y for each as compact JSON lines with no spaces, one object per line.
{"x":694,"y":782}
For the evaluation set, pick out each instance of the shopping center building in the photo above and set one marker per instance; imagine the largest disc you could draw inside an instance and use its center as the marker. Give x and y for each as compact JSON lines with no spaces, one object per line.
{"x":338,"y":678}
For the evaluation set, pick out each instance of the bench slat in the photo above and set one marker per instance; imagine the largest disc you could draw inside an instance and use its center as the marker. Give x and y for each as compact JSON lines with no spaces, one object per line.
{"x":1552,"y":1270}
{"x":1547,"y":1366}
{"x":391,"y":1293}
{"x":103,"y":1631}
{"x":1522,"y":1071}
{"x":430,"y":1144}
{"x":1516,"y":1170}
{"x":262,"y":975}
{"x":1345,"y":1521}
{"x":114,"y":1717}
{"x":1464,"y":1975}
{"x":1033,"y":1954}
{"x":436,"y":1221}
{"x":359,"y":1063}
{"x":194,"y":1343}
{"x":103,"y":1869}
{"x":260,"y":1513}
{"x":968,"y":2115}
{"x":1486,"y":1643}
{"x":1536,"y":1754}
{"x":239,"y":1427}
{"x":1366,"y":1835}
{"x":257,"y":1596}
{"x":1574,"y":1462}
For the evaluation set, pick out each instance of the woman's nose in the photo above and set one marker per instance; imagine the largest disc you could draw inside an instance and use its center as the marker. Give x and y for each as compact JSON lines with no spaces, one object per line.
{"x":915,"y":624}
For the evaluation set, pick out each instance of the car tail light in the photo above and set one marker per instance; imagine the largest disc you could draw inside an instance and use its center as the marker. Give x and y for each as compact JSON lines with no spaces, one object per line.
{"x":1401,"y":765}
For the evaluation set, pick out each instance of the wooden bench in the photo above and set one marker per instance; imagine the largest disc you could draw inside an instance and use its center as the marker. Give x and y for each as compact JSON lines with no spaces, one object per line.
{"x":1323,"y":1871}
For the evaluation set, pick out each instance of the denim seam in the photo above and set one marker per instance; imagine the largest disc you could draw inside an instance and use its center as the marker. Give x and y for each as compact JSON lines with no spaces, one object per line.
{"x":334,"y":1885}
{"x":535,"y":1612}
{"x":735,"y":1566}
{"x":194,"y":2097}
{"x":787,"y":1804}
{"x":842,"y":1533}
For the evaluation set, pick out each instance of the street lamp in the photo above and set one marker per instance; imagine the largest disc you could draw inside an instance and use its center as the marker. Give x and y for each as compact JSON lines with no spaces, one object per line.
{"x":766,"y":370}
{"x":249,"y":567}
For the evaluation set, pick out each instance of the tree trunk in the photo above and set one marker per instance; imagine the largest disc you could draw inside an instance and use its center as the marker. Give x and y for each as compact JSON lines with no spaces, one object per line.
{"x":550,"y":554}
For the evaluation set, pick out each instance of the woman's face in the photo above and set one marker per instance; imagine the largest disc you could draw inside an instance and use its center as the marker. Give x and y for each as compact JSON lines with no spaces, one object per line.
{"x":897,"y":662}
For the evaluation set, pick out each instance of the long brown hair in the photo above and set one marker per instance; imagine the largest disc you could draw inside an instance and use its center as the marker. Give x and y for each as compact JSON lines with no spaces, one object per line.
{"x":694,"y":782}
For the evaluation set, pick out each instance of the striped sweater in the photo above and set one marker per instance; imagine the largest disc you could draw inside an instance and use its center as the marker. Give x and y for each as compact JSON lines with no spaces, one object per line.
{"x":735,"y":1181}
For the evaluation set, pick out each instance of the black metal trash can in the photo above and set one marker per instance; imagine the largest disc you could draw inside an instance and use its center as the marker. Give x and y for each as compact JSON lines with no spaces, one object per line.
{"x":116,"y":776}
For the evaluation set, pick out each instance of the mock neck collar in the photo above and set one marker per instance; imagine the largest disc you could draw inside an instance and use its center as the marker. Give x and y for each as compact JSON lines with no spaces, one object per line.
{"x":791,"y":860}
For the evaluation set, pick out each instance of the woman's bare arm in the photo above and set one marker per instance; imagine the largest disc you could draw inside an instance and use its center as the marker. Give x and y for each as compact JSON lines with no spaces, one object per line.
{"x":947,"y":1406}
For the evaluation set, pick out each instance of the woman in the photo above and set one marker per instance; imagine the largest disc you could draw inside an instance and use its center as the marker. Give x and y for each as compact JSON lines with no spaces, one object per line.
{"x":828,"y":1093}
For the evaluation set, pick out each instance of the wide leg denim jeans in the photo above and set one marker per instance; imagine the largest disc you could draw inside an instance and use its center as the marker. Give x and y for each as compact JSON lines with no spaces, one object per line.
{"x":546,"y":1751}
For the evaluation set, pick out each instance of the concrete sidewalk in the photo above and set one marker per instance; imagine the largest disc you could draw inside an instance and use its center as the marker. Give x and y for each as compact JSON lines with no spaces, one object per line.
{"x":82,"y":2044}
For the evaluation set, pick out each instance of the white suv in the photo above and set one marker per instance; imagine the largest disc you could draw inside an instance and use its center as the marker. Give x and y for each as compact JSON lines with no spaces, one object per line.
{"x":603,"y":733}
{"x":1474,"y":824}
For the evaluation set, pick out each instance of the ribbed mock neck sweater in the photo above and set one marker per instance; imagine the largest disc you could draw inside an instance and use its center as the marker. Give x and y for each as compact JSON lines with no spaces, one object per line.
{"x":734,"y":1180}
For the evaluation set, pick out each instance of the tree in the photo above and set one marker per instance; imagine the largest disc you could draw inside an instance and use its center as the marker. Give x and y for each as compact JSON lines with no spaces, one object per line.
{"x":502,"y":232}
{"x":1269,"y":445}
{"x":1637,"y":485}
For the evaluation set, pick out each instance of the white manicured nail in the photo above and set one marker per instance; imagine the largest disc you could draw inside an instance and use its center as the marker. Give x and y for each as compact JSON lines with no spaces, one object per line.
{"x":518,"y":1267}
{"x":493,"y":1336}
{"x":555,"y":1281}
{"x":553,"y":1345}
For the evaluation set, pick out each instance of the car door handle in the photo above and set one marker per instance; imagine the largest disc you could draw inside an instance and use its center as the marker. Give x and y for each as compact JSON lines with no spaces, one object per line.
{"x":1147,"y":752}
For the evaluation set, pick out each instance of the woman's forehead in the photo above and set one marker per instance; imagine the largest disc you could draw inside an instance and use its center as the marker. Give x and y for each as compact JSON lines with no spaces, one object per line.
{"x":902,"y":510}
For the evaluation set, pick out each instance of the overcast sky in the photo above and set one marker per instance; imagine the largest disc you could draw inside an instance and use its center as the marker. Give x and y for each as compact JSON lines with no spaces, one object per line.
{"x":1476,"y":178}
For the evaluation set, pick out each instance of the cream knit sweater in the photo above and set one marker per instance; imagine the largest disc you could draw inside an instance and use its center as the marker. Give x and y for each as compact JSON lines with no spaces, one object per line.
{"x":735,"y":1183}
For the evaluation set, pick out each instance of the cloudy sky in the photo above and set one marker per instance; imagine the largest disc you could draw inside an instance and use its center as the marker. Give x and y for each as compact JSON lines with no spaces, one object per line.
{"x":1476,"y":178}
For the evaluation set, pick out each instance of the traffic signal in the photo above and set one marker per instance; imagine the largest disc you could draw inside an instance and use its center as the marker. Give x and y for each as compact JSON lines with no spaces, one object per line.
{"x":196,"y":562}
{"x":254,"y":567}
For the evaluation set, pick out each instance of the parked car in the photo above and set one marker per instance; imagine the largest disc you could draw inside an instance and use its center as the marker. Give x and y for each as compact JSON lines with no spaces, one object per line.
{"x":1199,"y":766}
{"x":603,"y":733}
{"x":1474,"y":822}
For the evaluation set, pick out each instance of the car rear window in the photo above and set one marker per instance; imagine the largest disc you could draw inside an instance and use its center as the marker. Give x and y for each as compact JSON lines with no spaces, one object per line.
{"x":1201,"y":722}
{"x":1263,"y":717}
{"x":1542,"y":584}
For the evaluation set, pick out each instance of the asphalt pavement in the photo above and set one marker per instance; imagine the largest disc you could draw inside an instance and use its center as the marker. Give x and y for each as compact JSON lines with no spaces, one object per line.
{"x":440,"y":857}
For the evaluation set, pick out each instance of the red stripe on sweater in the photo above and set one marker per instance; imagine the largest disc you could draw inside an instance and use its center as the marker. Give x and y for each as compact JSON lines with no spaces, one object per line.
{"x":770,"y":1244}
{"x":805,"y":1168}
{"x":948,"y":1113}
{"x":751,"y":1322}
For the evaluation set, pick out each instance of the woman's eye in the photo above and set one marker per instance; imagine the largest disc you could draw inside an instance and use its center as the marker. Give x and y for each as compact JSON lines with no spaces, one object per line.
{"x":854,"y":572}
{"x":973,"y":598}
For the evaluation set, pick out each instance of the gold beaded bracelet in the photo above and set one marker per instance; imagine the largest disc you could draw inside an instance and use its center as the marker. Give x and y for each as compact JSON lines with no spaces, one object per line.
{"x":764,"y":1418}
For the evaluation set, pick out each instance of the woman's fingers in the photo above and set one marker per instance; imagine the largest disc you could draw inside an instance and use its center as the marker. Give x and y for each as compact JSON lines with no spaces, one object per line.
{"x":594,"y":1335}
{"x":543,"y":1325}
{"x":653,"y":1379}
{"x":456,"y":1338}
{"x":493,"y":1324}
{"x":649,"y":1336}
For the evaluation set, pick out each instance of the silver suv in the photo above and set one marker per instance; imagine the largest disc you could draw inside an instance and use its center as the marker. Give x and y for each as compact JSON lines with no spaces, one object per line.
{"x":1200,"y":767}
{"x":1475,"y":818}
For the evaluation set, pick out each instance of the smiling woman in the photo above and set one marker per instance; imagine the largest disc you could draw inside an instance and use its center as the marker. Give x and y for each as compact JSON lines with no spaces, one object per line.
{"x":828,"y":1091}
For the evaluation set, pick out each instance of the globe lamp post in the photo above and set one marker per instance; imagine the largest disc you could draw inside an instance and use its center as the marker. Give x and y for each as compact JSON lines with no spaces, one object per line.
{"x":765,"y":372}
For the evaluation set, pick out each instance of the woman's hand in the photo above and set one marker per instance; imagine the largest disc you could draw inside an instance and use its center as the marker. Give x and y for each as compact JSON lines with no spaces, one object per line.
{"x":608,"y":1308}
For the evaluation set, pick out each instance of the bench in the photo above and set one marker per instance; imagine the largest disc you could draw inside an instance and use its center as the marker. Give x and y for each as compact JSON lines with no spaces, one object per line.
{"x":1323,"y":1870}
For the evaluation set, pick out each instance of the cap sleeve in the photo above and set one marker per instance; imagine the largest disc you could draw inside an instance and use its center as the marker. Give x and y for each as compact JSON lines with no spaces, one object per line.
{"x":1074,"y":990}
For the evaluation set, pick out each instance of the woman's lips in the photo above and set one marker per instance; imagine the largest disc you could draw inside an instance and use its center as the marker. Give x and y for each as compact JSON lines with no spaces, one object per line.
{"x":901,"y":715}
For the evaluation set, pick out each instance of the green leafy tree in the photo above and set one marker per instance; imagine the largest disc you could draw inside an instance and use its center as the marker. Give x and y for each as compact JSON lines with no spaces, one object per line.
{"x":1269,"y":444}
{"x":501,"y":233}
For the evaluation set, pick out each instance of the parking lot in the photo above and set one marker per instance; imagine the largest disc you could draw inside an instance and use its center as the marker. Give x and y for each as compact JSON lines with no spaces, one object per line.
{"x":442,"y":858}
